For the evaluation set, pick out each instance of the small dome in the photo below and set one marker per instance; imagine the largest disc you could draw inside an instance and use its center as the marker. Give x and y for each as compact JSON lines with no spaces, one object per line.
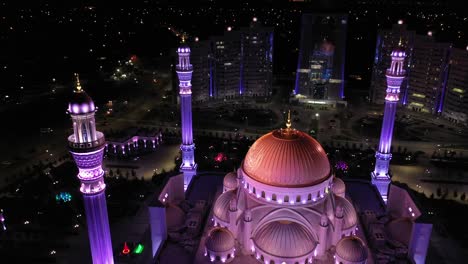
{"x":175,"y":217}
{"x":230,"y":181}
{"x":400,"y":230}
{"x":81,"y":103}
{"x":399,"y":52}
{"x":349,"y":213}
{"x":183,"y":49}
{"x":287,"y":159}
{"x":219,"y":240}
{"x":338,"y":187}
{"x":284,"y":238}
{"x":221,"y":207}
{"x":351,"y":249}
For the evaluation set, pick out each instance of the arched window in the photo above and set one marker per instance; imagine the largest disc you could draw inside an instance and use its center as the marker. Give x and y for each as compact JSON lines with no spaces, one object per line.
{"x":286,"y":199}
{"x":262,"y":258}
{"x":91,"y":135}
{"x":273,"y":197}
{"x":309,"y":197}
{"x":318,"y":194}
{"x":263,"y":194}
{"x":272,"y":262}
{"x":84,"y":132}
{"x":298,"y":199}
{"x":253,"y":190}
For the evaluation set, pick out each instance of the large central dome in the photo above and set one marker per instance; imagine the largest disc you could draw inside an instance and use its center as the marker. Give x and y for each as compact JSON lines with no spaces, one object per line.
{"x":287,"y":158}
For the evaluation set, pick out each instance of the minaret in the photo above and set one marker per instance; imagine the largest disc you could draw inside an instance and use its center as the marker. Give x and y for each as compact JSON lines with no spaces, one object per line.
{"x":395,"y":75}
{"x":184,"y":72}
{"x":87,"y":147}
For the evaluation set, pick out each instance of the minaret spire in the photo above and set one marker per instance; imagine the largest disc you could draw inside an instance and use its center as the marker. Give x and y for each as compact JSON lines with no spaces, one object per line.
{"x":288,"y":123}
{"x":86,"y":145}
{"x":184,"y":73}
{"x":395,"y":75}
{"x":78,"y":84}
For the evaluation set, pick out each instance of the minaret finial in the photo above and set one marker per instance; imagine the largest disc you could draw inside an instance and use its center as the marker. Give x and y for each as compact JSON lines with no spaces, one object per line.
{"x":399,"y":42}
{"x":288,"y":123}
{"x":78,"y":84}
{"x":183,"y":38}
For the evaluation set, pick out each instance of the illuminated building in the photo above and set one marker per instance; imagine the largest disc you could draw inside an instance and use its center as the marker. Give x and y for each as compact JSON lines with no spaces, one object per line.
{"x":427,"y":78}
{"x":236,"y":64}
{"x":284,"y":205}
{"x":434,"y":73}
{"x":87,"y":148}
{"x":395,"y":75}
{"x":202,"y":60}
{"x":386,"y":40}
{"x":456,"y":98}
{"x":426,"y":69}
{"x":184,"y":73}
{"x":320,"y":67}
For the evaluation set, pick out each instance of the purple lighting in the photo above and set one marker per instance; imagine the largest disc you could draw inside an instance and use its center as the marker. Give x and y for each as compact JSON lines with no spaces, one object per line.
{"x":395,"y":75}
{"x":87,"y":148}
{"x":184,"y":73}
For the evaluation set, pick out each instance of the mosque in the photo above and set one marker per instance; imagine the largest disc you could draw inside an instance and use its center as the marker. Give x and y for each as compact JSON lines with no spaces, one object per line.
{"x":284,"y":205}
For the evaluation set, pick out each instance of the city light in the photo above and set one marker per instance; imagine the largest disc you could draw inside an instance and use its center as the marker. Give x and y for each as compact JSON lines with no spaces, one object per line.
{"x":125,"y":249}
{"x":138,"y":249}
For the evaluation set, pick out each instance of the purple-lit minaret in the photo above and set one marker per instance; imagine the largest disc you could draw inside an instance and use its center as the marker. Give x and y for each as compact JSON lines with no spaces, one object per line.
{"x":87,"y":147}
{"x":395,"y":75}
{"x":184,"y":72}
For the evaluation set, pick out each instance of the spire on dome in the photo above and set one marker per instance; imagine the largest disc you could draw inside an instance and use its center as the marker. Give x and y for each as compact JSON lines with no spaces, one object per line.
{"x":400,"y":43}
{"x":78,"y":84}
{"x":183,"y":38}
{"x":288,"y":123}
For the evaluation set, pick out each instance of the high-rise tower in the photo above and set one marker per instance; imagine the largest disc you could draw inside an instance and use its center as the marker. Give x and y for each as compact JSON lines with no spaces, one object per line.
{"x":184,"y":72}
{"x":320,"y":65}
{"x":87,"y":147}
{"x":395,"y":75}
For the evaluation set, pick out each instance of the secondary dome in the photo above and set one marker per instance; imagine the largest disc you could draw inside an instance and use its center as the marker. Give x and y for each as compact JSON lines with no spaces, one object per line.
{"x":349,"y":213}
{"x":287,"y":158}
{"x":284,"y":238}
{"x":221,"y":207}
{"x":338,"y":187}
{"x":219,"y":240}
{"x":230,"y":181}
{"x":351,"y":249}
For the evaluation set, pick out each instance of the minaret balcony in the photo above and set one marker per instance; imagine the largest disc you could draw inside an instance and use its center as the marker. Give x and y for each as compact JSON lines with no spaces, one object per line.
{"x":81,"y":147}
